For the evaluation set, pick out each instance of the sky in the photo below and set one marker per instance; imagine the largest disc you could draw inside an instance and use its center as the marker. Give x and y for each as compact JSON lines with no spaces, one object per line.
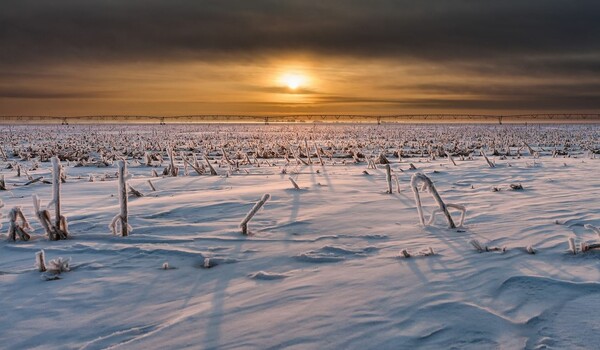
{"x":271,"y":57}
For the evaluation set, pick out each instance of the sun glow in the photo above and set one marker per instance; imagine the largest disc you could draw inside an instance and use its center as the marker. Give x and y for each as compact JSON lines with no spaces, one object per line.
{"x":293,"y":81}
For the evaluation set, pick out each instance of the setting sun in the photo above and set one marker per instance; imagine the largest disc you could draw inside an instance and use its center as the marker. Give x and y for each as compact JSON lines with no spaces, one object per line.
{"x":293,"y":81}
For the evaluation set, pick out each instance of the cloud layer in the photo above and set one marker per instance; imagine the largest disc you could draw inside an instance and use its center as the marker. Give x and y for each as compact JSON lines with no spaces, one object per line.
{"x":549,"y":40}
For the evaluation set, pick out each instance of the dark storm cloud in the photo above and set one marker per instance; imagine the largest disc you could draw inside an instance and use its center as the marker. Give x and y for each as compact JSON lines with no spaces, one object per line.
{"x":37,"y":32}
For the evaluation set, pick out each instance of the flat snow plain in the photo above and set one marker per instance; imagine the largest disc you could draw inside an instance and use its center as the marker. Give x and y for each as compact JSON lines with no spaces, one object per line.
{"x":321,"y":269}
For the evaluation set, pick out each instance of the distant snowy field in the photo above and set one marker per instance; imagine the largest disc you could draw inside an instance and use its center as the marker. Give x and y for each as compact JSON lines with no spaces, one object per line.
{"x":322,"y":267}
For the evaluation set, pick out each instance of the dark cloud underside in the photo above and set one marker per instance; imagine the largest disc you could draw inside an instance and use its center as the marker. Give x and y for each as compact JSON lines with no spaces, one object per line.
{"x":436,"y":30}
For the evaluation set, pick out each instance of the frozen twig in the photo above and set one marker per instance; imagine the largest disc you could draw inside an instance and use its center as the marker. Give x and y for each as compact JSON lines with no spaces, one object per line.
{"x":294,"y":183}
{"x":252,"y":212}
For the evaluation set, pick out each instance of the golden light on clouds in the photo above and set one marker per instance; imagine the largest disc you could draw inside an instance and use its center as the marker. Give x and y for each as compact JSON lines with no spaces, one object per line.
{"x":293,"y":80}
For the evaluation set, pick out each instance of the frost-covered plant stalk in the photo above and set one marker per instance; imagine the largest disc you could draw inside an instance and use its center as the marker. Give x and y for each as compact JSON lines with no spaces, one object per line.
{"x":489,"y":162}
{"x":397,"y":183}
{"x":120,"y":224}
{"x":572,"y":247}
{"x":18,"y":225}
{"x":147,"y":159}
{"x":415,"y":180}
{"x":172,"y":170}
{"x":307,"y":151}
{"x":388,"y":177}
{"x":1,"y":206}
{"x":319,"y":155}
{"x":58,"y":228}
{"x":40,"y":261}
{"x":450,"y":158}
{"x":212,"y":169}
{"x":60,"y":222}
{"x":252,"y":212}
{"x":294,"y":183}
{"x":43,"y":215}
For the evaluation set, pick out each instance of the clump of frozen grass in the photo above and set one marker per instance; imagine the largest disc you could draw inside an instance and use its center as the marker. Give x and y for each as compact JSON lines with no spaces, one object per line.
{"x":120,"y":224}
{"x":55,"y":267}
{"x":252,"y":212}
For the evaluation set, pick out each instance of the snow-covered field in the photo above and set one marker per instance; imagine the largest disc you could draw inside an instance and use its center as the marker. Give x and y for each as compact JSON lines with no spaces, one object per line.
{"x":322,"y":267}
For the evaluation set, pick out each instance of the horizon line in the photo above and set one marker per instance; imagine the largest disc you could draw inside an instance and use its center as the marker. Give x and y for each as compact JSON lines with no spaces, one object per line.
{"x":304,"y":118}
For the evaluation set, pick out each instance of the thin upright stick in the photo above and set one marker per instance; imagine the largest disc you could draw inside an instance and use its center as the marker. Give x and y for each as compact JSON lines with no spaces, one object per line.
{"x":388,"y":177}
{"x":56,"y":190}
{"x":123,"y":198}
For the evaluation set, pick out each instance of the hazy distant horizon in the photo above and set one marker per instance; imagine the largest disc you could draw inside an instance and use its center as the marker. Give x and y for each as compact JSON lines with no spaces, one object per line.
{"x":314,"y":118}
